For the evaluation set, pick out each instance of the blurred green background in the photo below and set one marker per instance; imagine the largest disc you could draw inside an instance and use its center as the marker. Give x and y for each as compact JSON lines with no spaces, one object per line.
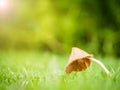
{"x":59,"y":25}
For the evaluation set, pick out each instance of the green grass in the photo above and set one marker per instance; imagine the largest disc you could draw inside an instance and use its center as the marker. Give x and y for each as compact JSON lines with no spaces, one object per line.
{"x":32,"y":70}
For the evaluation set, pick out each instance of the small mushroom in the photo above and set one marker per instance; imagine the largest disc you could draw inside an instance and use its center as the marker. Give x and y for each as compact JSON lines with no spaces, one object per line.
{"x":80,"y":60}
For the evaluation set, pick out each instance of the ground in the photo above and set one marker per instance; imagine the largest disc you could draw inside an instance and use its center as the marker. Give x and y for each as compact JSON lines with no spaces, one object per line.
{"x":34,"y":70}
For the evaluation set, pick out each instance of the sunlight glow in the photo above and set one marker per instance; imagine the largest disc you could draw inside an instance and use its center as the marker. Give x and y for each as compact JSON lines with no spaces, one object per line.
{"x":6,"y":7}
{"x":3,"y":4}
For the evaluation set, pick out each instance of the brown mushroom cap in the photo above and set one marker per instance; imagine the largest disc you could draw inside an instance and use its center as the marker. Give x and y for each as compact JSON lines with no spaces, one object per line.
{"x":79,"y":60}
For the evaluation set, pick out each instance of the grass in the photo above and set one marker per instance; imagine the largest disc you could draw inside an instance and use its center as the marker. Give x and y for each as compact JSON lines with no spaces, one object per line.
{"x":32,"y":70}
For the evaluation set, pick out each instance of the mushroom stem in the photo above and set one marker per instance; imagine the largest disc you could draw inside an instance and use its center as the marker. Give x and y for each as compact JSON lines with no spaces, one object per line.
{"x":101,"y":64}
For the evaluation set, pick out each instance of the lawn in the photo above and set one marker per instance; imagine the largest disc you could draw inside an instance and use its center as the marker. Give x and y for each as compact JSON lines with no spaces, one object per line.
{"x":33,"y":70}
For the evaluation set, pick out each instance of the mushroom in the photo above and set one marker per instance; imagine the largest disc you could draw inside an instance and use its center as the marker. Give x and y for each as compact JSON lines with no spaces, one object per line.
{"x":80,"y":60}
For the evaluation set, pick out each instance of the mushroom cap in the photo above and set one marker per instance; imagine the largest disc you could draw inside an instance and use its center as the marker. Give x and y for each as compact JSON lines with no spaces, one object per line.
{"x":79,"y":60}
